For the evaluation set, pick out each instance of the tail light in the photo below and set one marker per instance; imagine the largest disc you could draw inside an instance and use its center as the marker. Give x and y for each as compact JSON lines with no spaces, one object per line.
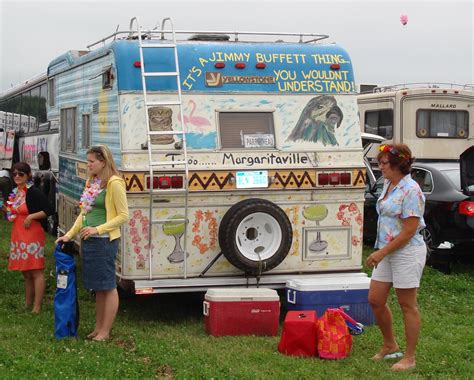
{"x":177,"y":182}
{"x":466,"y":208}
{"x":155,"y":182}
{"x":166,"y":182}
{"x":345,"y":178}
{"x":323,"y":179}
{"x":334,"y":178}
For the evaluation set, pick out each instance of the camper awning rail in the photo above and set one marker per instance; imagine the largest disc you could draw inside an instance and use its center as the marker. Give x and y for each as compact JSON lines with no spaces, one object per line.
{"x":155,"y":34}
{"x":403,"y":86}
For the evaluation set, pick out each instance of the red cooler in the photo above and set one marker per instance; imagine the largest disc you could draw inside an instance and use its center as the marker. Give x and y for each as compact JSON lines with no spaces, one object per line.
{"x":299,"y":335}
{"x":241,"y":311}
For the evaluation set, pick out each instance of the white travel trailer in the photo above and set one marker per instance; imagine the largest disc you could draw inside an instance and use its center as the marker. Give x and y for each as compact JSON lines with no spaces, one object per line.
{"x":242,"y":160}
{"x":435,"y":120}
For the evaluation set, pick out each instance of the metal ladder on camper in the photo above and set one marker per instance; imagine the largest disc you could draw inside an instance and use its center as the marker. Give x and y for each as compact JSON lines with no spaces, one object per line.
{"x":178,"y":167}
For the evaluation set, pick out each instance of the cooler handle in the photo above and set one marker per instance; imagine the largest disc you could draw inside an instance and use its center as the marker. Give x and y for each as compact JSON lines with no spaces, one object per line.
{"x":289,"y":298}
{"x":205,"y":308}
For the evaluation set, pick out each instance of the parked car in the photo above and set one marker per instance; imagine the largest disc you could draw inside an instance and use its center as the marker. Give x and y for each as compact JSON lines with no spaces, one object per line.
{"x":449,"y":210}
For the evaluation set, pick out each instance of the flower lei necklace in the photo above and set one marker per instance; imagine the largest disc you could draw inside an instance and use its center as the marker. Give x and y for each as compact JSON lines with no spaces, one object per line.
{"x":89,"y":195}
{"x":15,"y":200}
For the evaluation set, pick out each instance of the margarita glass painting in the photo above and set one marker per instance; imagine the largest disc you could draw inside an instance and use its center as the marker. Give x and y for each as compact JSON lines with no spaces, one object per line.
{"x":316,"y":213}
{"x":176,"y":229}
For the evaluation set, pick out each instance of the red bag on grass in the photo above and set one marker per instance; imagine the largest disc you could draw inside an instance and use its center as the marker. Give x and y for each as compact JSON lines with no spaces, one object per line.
{"x":298,"y":337}
{"x":334,"y":339}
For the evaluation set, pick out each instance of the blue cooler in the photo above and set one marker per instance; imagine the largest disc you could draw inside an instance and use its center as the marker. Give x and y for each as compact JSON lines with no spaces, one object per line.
{"x":320,"y":293}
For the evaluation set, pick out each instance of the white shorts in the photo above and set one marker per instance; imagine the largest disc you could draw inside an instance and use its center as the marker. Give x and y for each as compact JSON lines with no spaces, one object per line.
{"x":403,"y":268}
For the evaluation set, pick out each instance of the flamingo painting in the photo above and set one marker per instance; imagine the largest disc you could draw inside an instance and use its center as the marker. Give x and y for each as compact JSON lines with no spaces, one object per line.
{"x":198,"y":121}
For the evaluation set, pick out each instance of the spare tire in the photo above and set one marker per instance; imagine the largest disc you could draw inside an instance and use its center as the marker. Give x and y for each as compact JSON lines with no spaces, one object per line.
{"x":255,"y":235}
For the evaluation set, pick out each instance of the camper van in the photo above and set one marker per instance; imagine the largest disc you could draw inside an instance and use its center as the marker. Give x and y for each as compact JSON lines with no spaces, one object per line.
{"x":435,"y":120}
{"x":242,"y":158}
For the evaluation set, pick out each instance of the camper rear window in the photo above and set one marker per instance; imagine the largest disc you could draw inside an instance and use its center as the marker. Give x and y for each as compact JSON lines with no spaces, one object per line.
{"x":240,"y":130}
{"x":442,"y":124}
{"x":379,"y":122}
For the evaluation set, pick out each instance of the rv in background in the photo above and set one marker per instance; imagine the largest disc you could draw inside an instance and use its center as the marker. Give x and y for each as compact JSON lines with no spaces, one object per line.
{"x":26,"y":134}
{"x":435,"y":120}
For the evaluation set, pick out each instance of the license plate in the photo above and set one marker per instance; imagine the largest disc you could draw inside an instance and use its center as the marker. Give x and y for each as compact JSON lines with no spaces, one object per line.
{"x":251,"y":179}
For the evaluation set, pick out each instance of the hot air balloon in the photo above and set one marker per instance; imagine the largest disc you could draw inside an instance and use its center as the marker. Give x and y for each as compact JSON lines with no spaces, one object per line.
{"x":404,"y":19}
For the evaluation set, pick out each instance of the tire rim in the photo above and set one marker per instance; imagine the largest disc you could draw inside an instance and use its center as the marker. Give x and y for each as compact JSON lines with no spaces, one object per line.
{"x":258,"y":236}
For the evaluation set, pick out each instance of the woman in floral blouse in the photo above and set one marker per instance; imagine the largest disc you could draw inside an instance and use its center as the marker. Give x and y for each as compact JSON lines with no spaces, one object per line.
{"x":25,"y":207}
{"x":400,"y":253}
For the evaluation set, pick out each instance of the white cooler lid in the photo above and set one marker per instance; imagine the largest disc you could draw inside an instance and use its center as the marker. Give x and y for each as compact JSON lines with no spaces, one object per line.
{"x":241,"y":294}
{"x":329,"y":283}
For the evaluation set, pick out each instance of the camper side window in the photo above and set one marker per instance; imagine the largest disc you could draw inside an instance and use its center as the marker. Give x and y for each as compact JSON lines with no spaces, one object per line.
{"x":68,"y":129}
{"x":240,"y":130}
{"x":107,"y":78}
{"x":379,"y":122}
{"x":443,"y":124}
{"x":51,"y":92}
{"x":86,"y":130}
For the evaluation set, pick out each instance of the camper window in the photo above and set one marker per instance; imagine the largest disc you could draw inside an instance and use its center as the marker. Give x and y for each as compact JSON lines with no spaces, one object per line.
{"x":379,"y":122}
{"x":443,"y":124}
{"x":68,"y":129}
{"x":107,"y":77}
{"x":246,"y":130}
{"x":51,"y":92}
{"x":86,"y":130}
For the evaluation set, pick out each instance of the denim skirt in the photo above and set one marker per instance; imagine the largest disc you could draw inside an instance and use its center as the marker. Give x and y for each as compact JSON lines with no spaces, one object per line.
{"x":98,"y":263}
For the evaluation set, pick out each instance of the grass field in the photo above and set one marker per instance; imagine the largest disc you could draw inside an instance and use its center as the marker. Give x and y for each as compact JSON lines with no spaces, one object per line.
{"x":163,"y":337}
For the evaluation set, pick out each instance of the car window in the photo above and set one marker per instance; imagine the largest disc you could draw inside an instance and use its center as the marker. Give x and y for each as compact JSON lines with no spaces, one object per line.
{"x":378,"y":186}
{"x":454,"y":177}
{"x":424,"y":179}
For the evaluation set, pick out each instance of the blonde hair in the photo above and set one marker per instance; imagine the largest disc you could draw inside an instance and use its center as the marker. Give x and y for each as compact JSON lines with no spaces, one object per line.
{"x":103,"y":153}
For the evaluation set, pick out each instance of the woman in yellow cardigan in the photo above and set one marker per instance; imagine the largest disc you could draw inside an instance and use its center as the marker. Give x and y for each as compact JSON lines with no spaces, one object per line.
{"x":104,"y":209}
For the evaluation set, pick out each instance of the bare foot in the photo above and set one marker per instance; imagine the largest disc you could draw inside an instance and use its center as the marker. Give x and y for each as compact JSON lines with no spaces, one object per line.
{"x":36,"y":310}
{"x":93,"y":334}
{"x":385,"y":350}
{"x":100,"y":338}
{"x":404,"y":364}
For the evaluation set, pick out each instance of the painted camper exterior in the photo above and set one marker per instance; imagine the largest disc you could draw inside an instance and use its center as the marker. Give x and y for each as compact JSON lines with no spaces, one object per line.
{"x":272,"y":127}
{"x":435,"y":120}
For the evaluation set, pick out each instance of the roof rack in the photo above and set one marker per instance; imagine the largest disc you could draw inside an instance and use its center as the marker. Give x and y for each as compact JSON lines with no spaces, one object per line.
{"x":163,"y":34}
{"x":404,"y":86}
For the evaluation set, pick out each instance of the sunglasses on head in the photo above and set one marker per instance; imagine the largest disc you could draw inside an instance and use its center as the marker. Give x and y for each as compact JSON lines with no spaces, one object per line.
{"x":18,"y":174}
{"x":97,"y":150}
{"x":391,"y":150}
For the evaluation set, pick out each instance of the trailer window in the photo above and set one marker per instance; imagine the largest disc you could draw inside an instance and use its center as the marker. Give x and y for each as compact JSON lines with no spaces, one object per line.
{"x":442,"y":124}
{"x":86,"y":130}
{"x":252,"y":130}
{"x":379,"y":122}
{"x":51,"y":92}
{"x":107,"y":78}
{"x":68,"y":129}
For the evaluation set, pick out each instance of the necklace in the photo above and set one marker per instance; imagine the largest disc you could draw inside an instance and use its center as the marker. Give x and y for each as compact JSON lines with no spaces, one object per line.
{"x":16,"y":198}
{"x":90,"y":193}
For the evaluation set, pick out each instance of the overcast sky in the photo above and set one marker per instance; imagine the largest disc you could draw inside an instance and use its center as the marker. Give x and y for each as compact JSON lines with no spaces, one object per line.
{"x":435,"y":46}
